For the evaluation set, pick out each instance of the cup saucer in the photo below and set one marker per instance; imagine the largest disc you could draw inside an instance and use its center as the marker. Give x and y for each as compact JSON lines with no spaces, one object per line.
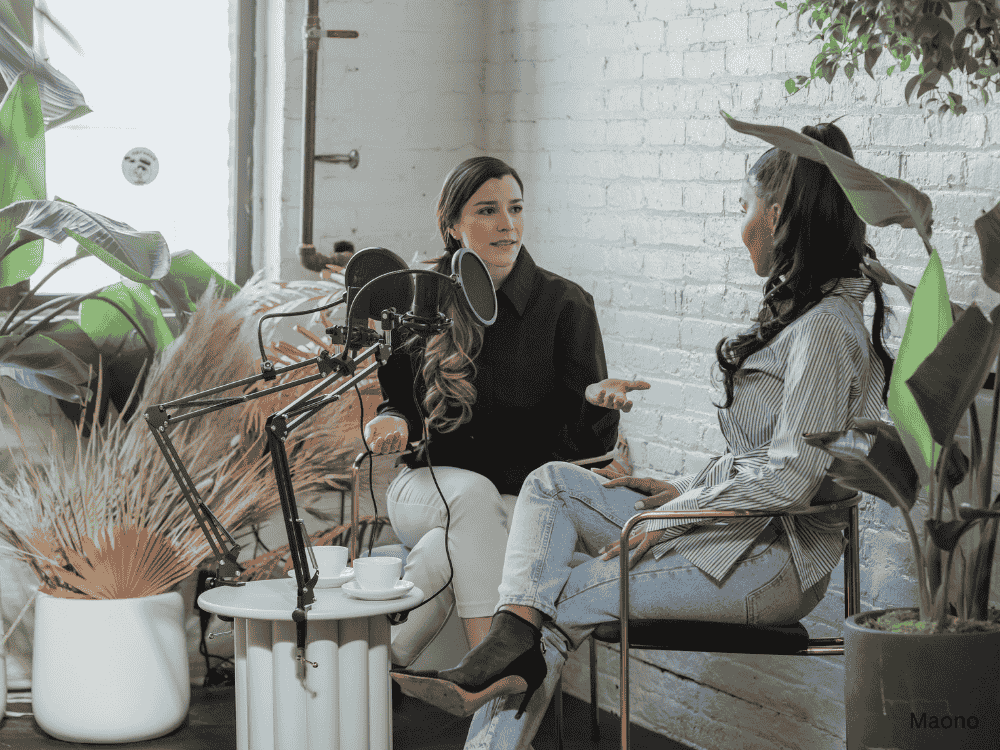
{"x":331,"y":582}
{"x":402,"y":588}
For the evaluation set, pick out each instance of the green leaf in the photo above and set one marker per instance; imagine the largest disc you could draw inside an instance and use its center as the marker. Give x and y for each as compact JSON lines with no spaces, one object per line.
{"x":108,"y":327}
{"x":849,"y":71}
{"x":880,"y":468}
{"x":946,"y":534}
{"x":139,"y":256}
{"x":61,"y":100}
{"x":782,"y":5}
{"x":790,"y":86}
{"x":40,"y":364}
{"x":930,"y":26}
{"x":188,"y":280}
{"x":22,"y":162}
{"x":915,"y":454}
{"x":17,"y":19}
{"x":889,"y":70}
{"x":929,"y":83}
{"x":987,"y":227}
{"x":957,"y":468}
{"x":947,"y":381}
{"x":871,"y":57}
{"x":878,"y":200}
{"x":930,"y":317}
{"x":68,"y":334}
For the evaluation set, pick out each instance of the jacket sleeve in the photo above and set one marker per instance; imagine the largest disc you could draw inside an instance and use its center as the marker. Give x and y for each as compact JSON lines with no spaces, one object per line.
{"x":588,"y":430}
{"x":396,"y":380}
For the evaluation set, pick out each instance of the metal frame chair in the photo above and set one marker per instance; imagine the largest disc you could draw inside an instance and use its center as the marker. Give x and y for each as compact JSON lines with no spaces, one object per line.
{"x":689,"y":635}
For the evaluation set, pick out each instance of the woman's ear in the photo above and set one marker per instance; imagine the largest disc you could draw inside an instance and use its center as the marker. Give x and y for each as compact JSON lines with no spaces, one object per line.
{"x":454,"y":234}
{"x":774,"y":213}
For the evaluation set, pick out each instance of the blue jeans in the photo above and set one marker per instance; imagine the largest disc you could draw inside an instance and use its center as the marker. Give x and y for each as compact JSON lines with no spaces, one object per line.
{"x":561,"y":505}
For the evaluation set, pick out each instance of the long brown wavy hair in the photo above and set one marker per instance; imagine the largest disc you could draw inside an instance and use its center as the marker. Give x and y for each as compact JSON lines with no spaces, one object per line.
{"x":818,"y":240}
{"x":449,"y":358}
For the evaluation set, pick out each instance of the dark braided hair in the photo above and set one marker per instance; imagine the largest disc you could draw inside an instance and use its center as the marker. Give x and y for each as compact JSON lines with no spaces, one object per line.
{"x":819,"y":239}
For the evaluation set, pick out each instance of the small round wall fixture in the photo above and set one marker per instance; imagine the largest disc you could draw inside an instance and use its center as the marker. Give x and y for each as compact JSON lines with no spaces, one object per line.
{"x":140,"y":166}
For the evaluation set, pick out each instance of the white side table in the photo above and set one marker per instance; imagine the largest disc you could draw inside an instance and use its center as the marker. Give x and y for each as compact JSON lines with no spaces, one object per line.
{"x":342,"y":704}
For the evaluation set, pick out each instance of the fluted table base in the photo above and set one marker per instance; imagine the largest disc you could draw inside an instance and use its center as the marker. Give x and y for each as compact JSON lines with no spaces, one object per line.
{"x":344,"y":703}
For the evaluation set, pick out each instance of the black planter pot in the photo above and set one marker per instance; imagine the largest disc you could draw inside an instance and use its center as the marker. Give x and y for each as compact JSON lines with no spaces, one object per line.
{"x":917,"y":691}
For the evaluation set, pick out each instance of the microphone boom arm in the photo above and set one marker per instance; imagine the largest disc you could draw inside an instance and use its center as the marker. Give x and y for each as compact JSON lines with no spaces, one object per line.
{"x":224,"y":546}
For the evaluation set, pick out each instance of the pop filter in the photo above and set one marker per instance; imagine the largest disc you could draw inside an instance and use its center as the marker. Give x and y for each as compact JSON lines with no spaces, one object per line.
{"x":395,"y":291}
{"x":475,"y":285}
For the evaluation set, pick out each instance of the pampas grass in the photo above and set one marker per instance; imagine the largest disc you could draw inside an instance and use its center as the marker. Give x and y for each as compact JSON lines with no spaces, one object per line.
{"x":108,"y":520}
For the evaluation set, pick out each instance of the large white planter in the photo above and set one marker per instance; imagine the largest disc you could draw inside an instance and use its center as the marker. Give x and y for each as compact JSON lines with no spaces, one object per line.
{"x":110,"y":670}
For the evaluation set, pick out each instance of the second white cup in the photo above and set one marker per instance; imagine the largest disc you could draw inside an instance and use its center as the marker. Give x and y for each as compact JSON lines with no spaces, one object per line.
{"x":377,"y":573}
{"x":331,"y":560}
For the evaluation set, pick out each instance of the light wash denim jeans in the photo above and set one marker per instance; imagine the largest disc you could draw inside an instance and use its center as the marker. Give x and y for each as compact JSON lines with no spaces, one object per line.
{"x":477,"y":538}
{"x":561,"y":505}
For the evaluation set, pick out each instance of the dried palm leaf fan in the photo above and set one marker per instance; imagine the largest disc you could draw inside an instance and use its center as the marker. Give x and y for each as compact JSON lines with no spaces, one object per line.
{"x":109,"y":521}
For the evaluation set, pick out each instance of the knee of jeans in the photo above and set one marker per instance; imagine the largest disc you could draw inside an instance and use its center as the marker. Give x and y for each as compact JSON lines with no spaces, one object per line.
{"x":550,"y":476}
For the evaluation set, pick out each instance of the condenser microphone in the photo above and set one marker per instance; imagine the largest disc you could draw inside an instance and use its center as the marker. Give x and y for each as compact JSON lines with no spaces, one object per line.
{"x":474,"y":288}
{"x":424,"y":315}
{"x":395,"y":291}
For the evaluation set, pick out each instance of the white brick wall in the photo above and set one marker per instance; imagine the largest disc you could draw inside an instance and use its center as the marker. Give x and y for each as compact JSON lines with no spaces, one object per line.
{"x":609,"y":110}
{"x":407,"y":94}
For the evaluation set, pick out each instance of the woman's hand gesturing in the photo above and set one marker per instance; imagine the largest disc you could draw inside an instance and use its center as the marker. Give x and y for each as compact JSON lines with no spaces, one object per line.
{"x":611,"y":392}
{"x":386,"y":433}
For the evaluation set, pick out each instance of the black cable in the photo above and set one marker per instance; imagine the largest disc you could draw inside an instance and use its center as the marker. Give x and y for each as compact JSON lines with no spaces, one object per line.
{"x":266,"y":316}
{"x":371,"y":461}
{"x":371,"y":488}
{"x":447,"y":509}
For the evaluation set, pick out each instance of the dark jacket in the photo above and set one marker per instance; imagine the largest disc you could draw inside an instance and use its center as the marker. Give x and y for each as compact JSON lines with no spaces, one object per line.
{"x":537,"y":359}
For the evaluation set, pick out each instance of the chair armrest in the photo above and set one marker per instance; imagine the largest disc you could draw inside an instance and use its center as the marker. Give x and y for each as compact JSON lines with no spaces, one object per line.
{"x":851,"y":601}
{"x":697,"y":514}
{"x":355,"y":510}
{"x":606,"y":458}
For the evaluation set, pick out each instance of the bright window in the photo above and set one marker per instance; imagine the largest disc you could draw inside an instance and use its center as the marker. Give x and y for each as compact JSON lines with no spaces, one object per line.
{"x":156,"y":75}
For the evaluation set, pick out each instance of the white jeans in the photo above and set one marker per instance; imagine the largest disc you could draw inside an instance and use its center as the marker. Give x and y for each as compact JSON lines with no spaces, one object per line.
{"x":477,"y":539}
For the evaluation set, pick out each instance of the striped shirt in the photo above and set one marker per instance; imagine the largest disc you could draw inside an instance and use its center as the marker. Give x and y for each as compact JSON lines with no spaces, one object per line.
{"x":814,"y":376}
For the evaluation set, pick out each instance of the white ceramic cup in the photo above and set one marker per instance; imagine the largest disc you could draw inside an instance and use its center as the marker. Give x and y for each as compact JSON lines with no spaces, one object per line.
{"x":377,"y":573}
{"x":331,"y":560}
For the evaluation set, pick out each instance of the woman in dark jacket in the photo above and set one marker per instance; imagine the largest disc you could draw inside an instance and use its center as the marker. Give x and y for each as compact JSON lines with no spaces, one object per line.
{"x":498,"y":402}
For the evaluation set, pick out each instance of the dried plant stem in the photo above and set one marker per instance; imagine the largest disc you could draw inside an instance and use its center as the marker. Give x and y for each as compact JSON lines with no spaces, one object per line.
{"x":109,"y":520}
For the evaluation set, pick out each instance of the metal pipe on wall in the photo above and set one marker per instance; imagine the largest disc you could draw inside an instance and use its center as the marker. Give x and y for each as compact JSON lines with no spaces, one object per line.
{"x":312,"y":34}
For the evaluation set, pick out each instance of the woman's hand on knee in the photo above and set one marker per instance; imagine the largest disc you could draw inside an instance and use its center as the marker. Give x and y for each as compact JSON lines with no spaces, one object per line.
{"x":641,"y":542}
{"x":387,"y":433}
{"x":657,"y":491}
{"x":611,"y":393}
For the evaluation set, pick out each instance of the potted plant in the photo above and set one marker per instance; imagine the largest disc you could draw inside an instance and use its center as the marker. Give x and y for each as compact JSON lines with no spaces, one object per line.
{"x":108,"y":535}
{"x":941,"y":39}
{"x":120,"y":325}
{"x":925,"y":677}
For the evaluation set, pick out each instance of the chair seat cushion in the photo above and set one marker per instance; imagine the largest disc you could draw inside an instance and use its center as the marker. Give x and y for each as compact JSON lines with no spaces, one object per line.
{"x":693,"y":635}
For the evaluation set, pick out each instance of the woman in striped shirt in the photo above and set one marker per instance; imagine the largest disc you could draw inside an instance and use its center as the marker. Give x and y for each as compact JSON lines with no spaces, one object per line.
{"x":806,"y":364}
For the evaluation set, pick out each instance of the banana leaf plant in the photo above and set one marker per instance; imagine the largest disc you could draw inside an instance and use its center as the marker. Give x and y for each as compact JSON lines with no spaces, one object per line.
{"x":945,"y":358}
{"x":121,"y":325}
